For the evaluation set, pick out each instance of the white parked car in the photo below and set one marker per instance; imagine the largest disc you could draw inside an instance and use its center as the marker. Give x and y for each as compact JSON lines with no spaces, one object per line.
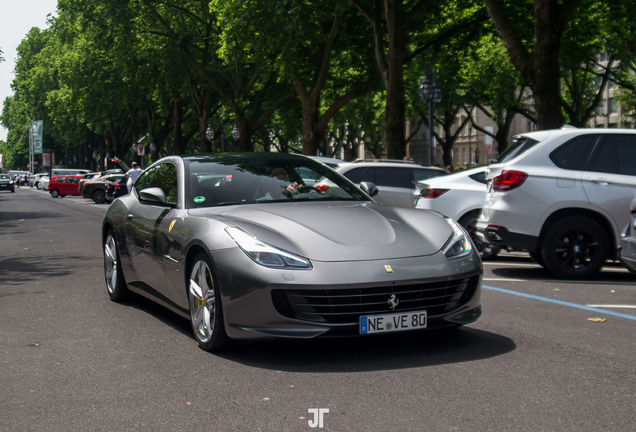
{"x":563,"y":195}
{"x":461,"y":196}
{"x":43,"y":184}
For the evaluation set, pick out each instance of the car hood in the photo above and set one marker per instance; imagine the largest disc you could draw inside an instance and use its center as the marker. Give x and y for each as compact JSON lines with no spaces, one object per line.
{"x":339,"y":231}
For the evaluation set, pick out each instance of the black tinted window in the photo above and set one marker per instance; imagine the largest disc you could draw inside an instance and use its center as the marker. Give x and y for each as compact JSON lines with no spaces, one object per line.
{"x":393,"y":177}
{"x":518,"y":147}
{"x":479,"y":177}
{"x":355,"y":174}
{"x":626,"y":149}
{"x":604,"y":157}
{"x":574,"y":154}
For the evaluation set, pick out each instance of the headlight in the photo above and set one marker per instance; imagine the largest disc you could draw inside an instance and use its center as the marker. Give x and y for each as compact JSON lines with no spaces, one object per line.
{"x":10,"y":182}
{"x":265,"y":254}
{"x":459,"y":244}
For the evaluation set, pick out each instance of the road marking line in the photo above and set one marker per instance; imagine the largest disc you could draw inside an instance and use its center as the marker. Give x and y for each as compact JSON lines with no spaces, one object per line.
{"x":559,"y":281}
{"x":613,"y":306}
{"x":562,"y":303}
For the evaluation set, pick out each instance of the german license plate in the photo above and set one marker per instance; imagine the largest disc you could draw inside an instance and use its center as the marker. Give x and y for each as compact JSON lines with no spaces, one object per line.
{"x":392,"y":322}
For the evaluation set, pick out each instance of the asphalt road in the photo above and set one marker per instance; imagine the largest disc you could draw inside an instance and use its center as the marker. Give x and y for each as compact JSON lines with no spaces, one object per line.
{"x":72,"y":360}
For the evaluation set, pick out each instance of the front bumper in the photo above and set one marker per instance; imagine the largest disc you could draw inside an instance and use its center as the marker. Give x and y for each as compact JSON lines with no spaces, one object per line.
{"x":333,"y":295}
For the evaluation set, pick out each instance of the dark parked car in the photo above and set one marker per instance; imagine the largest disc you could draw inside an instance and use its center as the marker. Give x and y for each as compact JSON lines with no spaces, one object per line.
{"x":241,"y":246}
{"x":6,"y":183}
{"x":96,"y":188}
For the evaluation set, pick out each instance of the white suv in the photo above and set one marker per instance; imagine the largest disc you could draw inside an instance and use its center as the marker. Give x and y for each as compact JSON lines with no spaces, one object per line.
{"x":563,"y":195}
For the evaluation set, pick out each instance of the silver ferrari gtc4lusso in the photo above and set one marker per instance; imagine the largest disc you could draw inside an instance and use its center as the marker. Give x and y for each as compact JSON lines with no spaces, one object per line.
{"x":252,"y":246}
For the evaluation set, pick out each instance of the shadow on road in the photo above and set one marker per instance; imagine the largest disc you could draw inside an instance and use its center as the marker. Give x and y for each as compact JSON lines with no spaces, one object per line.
{"x":383,"y":352}
{"x":18,"y":270}
{"x":364,"y":354}
{"x":539,"y":273}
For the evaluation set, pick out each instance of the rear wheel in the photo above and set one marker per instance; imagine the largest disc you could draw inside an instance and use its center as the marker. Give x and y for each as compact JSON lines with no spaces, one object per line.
{"x":115,"y":282}
{"x":486,"y":250}
{"x":99,"y":196}
{"x":575,"y":247}
{"x":55,"y":193}
{"x":206,"y":311}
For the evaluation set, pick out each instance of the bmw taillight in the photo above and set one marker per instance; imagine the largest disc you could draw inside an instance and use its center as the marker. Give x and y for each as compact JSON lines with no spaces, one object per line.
{"x":508,"y":180}
{"x":432,"y":193}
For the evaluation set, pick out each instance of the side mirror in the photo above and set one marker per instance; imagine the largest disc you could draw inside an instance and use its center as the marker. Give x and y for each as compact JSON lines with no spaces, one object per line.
{"x":369,"y":188}
{"x":153,"y":195}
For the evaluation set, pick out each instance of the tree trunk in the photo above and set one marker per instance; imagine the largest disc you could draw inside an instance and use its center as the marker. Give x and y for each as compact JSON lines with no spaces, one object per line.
{"x":395,"y":114}
{"x":177,"y":119}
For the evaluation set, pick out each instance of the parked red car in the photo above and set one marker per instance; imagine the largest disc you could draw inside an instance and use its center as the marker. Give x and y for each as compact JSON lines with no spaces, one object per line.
{"x":64,"y":185}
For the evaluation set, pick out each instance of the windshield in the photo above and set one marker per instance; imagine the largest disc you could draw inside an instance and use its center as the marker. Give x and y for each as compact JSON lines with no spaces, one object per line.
{"x":263,"y":178}
{"x":4,"y":177}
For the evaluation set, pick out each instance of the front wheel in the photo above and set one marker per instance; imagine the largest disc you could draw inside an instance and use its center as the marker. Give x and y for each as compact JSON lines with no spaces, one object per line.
{"x":55,"y":193}
{"x":99,"y":196}
{"x":115,"y":282}
{"x":206,"y":311}
{"x":575,"y":247}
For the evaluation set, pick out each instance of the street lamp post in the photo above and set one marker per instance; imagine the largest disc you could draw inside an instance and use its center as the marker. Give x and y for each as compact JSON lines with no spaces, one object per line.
{"x":470,"y":145}
{"x":431,"y":95}
{"x":236,"y":133}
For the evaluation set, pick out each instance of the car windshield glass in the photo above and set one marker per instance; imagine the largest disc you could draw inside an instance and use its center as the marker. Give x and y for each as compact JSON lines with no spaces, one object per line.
{"x":4,"y":177}
{"x":519,"y":146}
{"x":262,"y":178}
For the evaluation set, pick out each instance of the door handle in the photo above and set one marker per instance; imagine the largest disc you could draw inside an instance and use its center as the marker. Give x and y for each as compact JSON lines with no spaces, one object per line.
{"x":130,"y":216}
{"x":601,"y":182}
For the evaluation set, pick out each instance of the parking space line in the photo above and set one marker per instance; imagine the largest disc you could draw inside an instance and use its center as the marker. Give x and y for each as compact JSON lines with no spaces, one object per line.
{"x":613,"y":306}
{"x":562,"y":303}
{"x":560,"y":281}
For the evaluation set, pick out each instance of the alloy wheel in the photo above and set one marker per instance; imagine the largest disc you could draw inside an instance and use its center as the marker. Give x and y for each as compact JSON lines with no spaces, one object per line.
{"x":110,"y":263}
{"x":202,"y":301}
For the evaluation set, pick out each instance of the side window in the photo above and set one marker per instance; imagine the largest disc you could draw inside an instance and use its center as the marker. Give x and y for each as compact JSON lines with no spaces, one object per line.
{"x":574,"y":154}
{"x":393,"y":177}
{"x":144,"y":179}
{"x":604,"y":157}
{"x":60,"y":179}
{"x":355,"y":174}
{"x":165,"y":178}
{"x":73,"y":180}
{"x":479,"y":177}
{"x":626,"y":149}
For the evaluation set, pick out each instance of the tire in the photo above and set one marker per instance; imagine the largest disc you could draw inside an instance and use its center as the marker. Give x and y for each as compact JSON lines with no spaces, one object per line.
{"x":206,"y":311}
{"x":575,"y":247}
{"x":55,"y":193}
{"x":486,"y":251}
{"x":99,"y":196}
{"x":537,"y":258}
{"x":115,"y":282}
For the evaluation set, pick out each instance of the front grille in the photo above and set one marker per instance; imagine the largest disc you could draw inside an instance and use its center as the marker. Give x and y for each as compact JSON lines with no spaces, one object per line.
{"x":345,"y":306}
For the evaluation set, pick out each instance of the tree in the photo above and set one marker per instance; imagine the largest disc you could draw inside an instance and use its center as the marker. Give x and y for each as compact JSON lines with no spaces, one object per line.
{"x":533,"y":37}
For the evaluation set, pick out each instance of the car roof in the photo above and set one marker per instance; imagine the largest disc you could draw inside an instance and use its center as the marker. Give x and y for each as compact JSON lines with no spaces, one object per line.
{"x":379,"y":162}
